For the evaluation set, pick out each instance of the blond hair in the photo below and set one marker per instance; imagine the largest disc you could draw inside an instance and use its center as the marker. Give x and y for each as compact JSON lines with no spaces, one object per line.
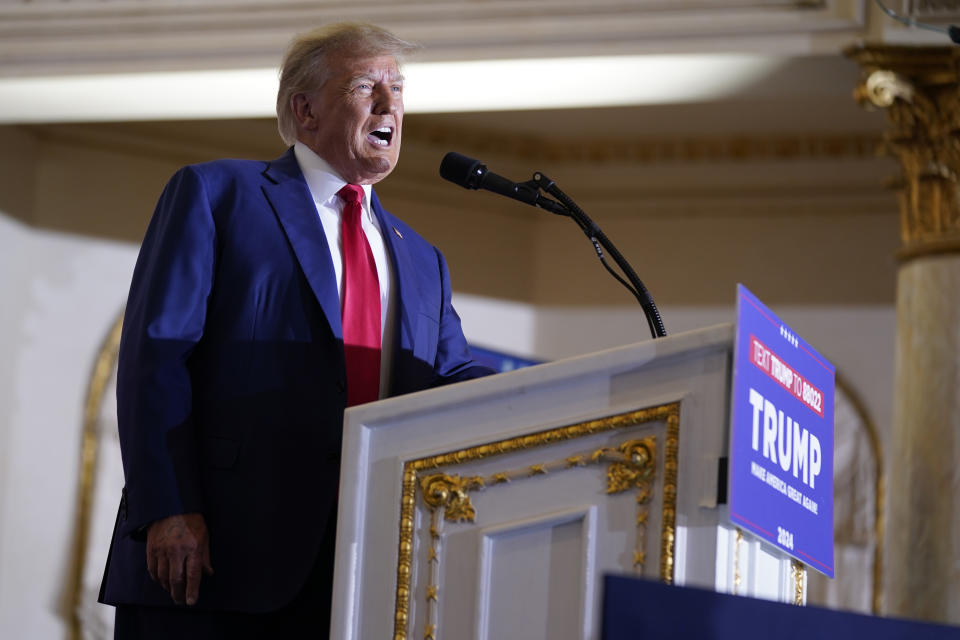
{"x":306,"y":63}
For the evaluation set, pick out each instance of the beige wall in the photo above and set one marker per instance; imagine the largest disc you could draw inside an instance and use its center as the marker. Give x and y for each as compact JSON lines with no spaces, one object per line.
{"x":812,"y":258}
{"x":18,"y":168}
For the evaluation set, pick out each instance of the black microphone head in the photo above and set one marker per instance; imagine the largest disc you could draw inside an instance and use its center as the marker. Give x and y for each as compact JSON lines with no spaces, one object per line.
{"x":954,"y":32}
{"x":461,"y":170}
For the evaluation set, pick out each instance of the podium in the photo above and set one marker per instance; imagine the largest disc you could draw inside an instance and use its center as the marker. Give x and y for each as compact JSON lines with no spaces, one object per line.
{"x":492,"y":508}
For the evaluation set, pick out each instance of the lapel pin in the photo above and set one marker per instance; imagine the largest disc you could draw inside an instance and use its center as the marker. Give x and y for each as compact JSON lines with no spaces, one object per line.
{"x":399,"y":235}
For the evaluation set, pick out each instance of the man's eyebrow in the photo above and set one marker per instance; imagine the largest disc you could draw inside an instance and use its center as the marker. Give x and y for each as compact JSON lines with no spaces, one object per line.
{"x":398,"y":77}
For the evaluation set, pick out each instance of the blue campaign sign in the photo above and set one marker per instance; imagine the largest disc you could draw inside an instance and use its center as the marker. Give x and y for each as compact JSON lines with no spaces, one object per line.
{"x":781,"y":437}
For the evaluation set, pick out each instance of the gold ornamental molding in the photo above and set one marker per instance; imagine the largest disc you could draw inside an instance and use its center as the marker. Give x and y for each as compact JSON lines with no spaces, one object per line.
{"x":103,"y":368}
{"x":799,"y":578}
{"x":919,"y":88}
{"x":631,"y":466}
{"x":644,"y":151}
{"x":149,"y":140}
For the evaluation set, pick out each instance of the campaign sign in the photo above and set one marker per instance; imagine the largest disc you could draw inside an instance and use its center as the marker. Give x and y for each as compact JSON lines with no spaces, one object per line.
{"x":781,"y":437}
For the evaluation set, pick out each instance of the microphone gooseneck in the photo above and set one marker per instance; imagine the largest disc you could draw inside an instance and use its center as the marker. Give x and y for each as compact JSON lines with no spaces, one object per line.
{"x":952,"y":31}
{"x":473,"y":174}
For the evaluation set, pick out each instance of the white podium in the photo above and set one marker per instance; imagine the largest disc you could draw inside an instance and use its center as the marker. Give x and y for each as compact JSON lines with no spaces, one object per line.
{"x":490,"y":509}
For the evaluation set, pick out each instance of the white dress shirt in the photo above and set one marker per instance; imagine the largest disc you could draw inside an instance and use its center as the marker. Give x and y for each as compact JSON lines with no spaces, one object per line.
{"x":324,"y":183}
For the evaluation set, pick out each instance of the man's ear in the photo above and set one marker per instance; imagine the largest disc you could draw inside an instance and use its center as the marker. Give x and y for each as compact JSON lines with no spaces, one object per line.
{"x":301,"y":106}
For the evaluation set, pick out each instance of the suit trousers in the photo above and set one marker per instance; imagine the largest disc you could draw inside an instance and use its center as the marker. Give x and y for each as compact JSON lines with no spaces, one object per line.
{"x":306,"y":616}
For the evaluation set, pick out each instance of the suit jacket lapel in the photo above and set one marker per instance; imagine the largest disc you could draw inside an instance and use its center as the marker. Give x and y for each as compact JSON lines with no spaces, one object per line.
{"x":408,"y":289}
{"x":288,"y":194}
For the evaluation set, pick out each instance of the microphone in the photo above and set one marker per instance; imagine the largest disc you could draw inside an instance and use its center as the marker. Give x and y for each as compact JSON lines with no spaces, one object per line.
{"x":473,"y":174}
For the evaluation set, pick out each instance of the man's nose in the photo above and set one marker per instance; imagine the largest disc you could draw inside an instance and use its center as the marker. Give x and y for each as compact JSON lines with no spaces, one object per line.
{"x":388,"y":101}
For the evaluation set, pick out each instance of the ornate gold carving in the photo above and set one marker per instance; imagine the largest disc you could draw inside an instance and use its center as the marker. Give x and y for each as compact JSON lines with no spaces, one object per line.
{"x":450,"y":494}
{"x":644,"y":151}
{"x":643,"y":495}
{"x":881,"y":88}
{"x":441,"y":491}
{"x":668,"y":535}
{"x":405,"y":557}
{"x":636,"y":471}
{"x":929,"y":248}
{"x":918,"y":87}
{"x":102,"y":370}
{"x":538,"y":470}
{"x":639,"y":558}
{"x":798,"y":577}
{"x":433,"y":568}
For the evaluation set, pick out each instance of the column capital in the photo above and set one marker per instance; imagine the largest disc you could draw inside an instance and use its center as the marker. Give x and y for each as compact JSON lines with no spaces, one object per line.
{"x":919,"y":88}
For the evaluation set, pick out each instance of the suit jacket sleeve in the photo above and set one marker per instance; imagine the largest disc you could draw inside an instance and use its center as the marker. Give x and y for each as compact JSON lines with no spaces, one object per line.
{"x":164,"y":321}
{"x":454,"y":362}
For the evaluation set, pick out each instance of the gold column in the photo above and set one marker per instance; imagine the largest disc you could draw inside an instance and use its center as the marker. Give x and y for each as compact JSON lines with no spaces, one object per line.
{"x":918,"y":88}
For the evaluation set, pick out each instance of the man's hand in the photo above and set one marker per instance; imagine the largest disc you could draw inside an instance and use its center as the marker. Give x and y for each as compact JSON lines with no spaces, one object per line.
{"x":178,"y":554}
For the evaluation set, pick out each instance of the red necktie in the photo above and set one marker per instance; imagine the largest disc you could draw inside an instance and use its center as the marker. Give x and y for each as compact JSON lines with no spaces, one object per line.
{"x":360,"y":304}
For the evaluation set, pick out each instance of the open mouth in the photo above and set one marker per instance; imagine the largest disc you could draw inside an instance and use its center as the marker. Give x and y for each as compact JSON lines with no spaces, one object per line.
{"x":381,"y":137}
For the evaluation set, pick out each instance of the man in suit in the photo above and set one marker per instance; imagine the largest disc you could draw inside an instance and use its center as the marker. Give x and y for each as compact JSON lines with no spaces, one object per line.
{"x":267,"y":298}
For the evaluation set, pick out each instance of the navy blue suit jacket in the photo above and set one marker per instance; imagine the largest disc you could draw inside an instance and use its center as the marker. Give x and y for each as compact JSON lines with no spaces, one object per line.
{"x":231,"y":385}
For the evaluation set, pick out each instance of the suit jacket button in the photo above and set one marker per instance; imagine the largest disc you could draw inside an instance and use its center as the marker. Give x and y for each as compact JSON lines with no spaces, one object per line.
{"x":341,"y":386}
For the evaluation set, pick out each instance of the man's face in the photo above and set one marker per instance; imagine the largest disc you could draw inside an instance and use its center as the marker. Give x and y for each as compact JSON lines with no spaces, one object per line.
{"x":353,"y":121}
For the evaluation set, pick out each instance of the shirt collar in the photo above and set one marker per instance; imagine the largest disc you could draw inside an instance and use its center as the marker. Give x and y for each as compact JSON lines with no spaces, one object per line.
{"x":323,"y":181}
